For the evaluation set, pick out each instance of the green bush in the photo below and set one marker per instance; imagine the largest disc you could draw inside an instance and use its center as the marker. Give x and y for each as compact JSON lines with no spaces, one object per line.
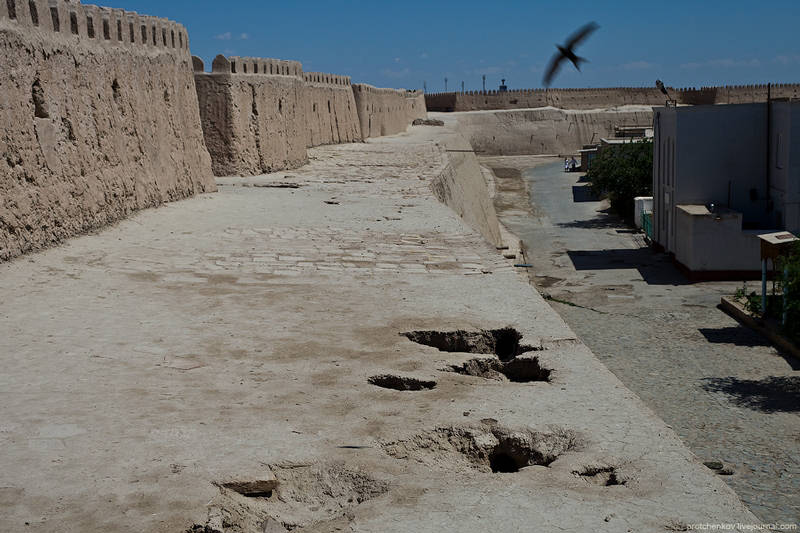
{"x":789,"y":269}
{"x":623,"y":172}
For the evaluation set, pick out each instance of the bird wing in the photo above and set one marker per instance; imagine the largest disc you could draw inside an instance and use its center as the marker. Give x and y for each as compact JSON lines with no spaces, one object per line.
{"x":581,"y":34}
{"x":552,"y":68}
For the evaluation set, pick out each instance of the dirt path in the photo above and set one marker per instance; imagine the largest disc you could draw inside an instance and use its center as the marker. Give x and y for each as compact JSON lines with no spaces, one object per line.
{"x":728,"y":394}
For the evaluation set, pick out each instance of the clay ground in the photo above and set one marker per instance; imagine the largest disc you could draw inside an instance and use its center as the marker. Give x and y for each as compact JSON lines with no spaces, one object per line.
{"x":724,"y":389}
{"x":206,"y":340}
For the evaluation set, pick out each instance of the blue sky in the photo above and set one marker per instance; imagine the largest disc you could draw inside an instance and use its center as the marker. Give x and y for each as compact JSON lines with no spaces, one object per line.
{"x":403,"y":44}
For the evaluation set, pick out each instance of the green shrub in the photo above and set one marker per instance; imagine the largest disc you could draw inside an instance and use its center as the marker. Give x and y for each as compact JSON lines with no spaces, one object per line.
{"x":789,"y":269}
{"x":623,"y":172}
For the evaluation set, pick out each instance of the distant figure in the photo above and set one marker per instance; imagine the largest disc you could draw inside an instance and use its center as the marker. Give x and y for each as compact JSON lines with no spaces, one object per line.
{"x":573,"y":164}
{"x":567,"y":52}
{"x":566,"y":164}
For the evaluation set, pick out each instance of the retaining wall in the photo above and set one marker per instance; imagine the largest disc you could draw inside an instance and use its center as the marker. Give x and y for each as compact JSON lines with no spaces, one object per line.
{"x":546,"y":130}
{"x":387,"y":111}
{"x":98,"y":117}
{"x":604,"y":97}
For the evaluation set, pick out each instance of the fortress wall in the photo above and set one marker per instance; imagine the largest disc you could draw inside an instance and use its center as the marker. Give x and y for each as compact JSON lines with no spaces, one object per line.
{"x":543,"y":131}
{"x":98,"y":117}
{"x":259,"y":115}
{"x":330,"y":110}
{"x":253,"y":122}
{"x":387,"y":111}
{"x":604,"y":97}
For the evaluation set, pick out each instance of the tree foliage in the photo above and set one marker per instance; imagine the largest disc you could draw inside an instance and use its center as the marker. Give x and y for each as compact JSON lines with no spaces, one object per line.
{"x":623,"y":172}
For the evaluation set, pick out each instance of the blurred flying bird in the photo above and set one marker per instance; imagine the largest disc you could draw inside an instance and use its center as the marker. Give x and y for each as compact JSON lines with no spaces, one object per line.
{"x":660,"y":85}
{"x":568,"y":52}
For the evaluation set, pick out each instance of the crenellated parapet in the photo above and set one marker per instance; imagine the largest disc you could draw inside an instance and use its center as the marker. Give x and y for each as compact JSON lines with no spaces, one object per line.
{"x":90,"y":23}
{"x":584,"y":98}
{"x":265,"y":66}
{"x":324,"y":78}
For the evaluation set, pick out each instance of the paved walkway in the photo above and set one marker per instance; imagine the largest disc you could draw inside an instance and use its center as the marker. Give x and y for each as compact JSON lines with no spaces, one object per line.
{"x":232,"y":337}
{"x":728,"y":393}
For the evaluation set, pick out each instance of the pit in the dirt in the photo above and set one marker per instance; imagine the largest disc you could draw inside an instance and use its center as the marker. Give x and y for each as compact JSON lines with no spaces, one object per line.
{"x":488,"y":448}
{"x":504,"y":342}
{"x":389,"y":381}
{"x":605,"y":476}
{"x":518,"y":370}
{"x":304,"y":496}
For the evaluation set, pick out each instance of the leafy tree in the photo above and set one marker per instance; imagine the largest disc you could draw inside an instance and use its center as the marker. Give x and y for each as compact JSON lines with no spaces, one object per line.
{"x":623,"y":172}
{"x":789,"y":268}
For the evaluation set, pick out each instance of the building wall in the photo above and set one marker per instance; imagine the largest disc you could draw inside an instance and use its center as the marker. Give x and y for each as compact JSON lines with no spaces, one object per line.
{"x":95,"y":121}
{"x":603,"y":97}
{"x":387,"y":111}
{"x":785,"y":164}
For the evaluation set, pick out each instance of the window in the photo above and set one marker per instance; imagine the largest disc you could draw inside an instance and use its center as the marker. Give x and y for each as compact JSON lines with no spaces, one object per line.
{"x":73,"y":23}
{"x":132,"y":32}
{"x":106,"y":30}
{"x":90,"y":26}
{"x":12,"y":9}
{"x":119,"y":30}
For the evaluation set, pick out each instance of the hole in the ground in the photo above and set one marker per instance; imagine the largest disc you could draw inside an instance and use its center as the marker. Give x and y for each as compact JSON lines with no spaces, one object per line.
{"x":605,"y":476}
{"x":487,"y":448}
{"x":518,"y":370}
{"x":503,"y":342}
{"x":301,"y":495}
{"x":388,"y":381}
{"x":502,"y":462}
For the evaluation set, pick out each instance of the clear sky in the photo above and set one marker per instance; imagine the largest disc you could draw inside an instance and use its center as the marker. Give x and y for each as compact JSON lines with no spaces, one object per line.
{"x":404,"y":44}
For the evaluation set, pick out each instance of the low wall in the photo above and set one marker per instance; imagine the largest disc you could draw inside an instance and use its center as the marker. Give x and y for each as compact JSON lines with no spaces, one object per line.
{"x":98,"y":117}
{"x":604,"y":97}
{"x":260,"y":115}
{"x":387,"y":111}
{"x":546,"y":130}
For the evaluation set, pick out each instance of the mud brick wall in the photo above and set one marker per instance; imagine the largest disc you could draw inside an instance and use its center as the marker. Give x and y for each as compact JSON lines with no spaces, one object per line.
{"x":387,"y":111}
{"x":98,"y":118}
{"x":603,"y":97}
{"x":253,"y":121}
{"x":259,"y":115}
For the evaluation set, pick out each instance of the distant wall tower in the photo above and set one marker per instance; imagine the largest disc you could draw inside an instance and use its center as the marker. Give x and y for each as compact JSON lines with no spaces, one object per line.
{"x":503,"y":86}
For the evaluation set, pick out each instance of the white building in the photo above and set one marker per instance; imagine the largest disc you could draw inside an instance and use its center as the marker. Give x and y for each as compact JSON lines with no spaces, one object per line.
{"x":723,"y":155}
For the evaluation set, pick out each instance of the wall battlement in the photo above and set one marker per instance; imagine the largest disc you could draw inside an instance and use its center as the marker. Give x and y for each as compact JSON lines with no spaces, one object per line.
{"x":98,"y":118}
{"x":105,"y":26}
{"x":589,"y":98}
{"x":326,"y":79}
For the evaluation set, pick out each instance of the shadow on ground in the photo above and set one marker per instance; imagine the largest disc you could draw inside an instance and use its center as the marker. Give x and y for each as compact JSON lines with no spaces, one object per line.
{"x":770,"y":395}
{"x":655,"y":268}
{"x":736,"y":335}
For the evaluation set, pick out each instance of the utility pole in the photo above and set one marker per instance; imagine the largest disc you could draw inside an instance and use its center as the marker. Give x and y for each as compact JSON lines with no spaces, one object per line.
{"x":462,"y":87}
{"x":425,"y":86}
{"x":445,"y":85}
{"x":484,"y":82}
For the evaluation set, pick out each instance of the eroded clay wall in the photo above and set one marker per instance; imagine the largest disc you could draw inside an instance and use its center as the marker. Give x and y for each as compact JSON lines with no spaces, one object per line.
{"x":259,"y":115}
{"x":330,"y":110}
{"x":604,"y":97}
{"x":98,"y":117}
{"x":545,"y":131}
{"x":387,"y":111}
{"x":253,"y":122}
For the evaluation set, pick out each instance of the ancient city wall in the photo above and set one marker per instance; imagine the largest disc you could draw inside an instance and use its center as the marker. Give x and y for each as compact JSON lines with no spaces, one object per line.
{"x":98,"y":117}
{"x":260,"y":115}
{"x":603,"y":97}
{"x":330,"y":110}
{"x":387,"y":111}
{"x":545,"y":131}
{"x":253,"y":121}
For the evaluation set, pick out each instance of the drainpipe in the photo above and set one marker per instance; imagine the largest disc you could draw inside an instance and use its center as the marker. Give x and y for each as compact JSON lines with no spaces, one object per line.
{"x":769,"y":132}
